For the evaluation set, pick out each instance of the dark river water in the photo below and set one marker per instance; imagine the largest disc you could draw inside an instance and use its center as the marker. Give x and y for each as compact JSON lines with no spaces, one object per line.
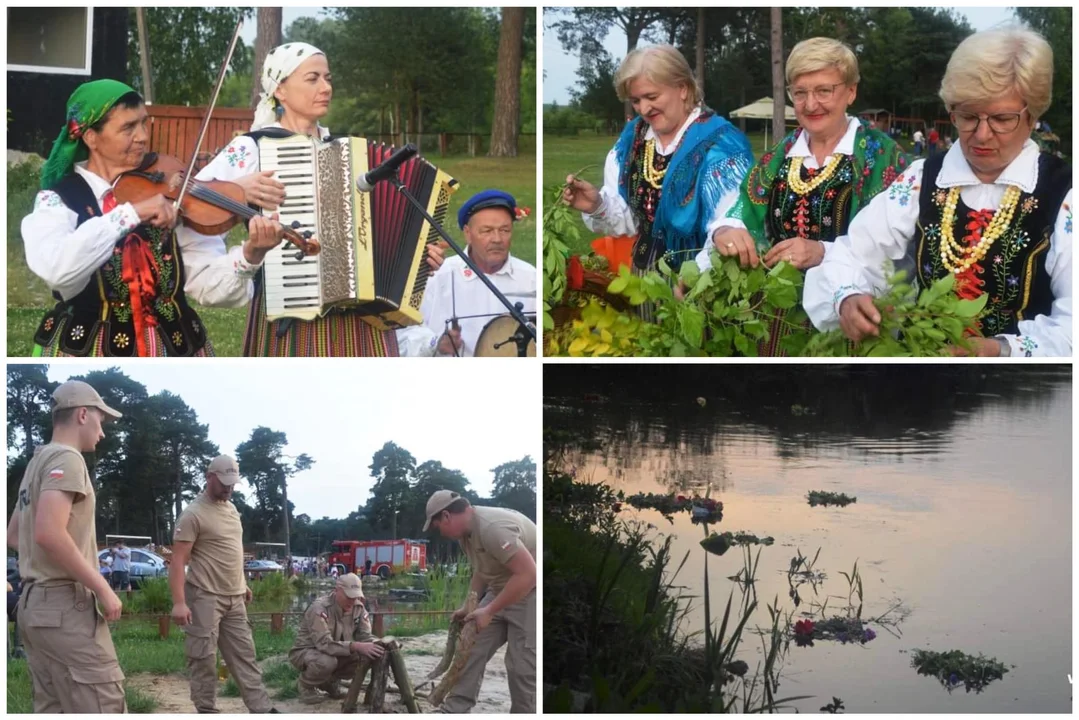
{"x":963,"y":514}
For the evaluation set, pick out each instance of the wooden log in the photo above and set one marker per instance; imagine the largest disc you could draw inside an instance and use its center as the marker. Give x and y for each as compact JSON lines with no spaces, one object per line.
{"x":464,"y":648}
{"x":376,"y":691}
{"x":447,"y":656}
{"x":163,"y":627}
{"x":404,"y":683}
{"x":277,"y":624}
{"x":349,"y":705}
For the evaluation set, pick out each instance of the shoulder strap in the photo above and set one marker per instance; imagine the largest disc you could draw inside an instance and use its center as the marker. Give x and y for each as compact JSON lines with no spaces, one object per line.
{"x":270,"y":132}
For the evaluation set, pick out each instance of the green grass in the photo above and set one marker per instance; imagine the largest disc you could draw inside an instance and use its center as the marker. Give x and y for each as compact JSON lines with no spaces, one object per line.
{"x":140,"y":650}
{"x":280,"y":676}
{"x":28,"y":298}
{"x":568,"y":154}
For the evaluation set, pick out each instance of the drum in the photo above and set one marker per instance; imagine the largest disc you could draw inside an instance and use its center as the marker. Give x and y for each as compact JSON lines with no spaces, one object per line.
{"x":499,"y":331}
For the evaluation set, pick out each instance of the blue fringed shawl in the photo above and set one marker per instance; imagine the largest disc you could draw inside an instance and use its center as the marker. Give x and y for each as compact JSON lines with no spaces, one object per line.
{"x":712,"y":159}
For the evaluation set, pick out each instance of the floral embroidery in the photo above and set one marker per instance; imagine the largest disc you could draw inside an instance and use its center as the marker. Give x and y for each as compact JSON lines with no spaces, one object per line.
{"x":901,"y":190}
{"x":237,"y":156}
{"x":177,"y":338}
{"x":78,"y":332}
{"x":840,"y":295}
{"x":1027,"y":345}
{"x":1068,"y":218}
{"x":47,"y":198}
{"x":1029,"y":204}
{"x":49,"y":323}
{"x":122,"y":340}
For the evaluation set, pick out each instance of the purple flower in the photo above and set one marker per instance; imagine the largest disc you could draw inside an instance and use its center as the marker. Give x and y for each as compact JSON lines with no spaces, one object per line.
{"x":842,"y":637}
{"x":953,"y":679}
{"x":1013,"y":280}
{"x":869,"y":635}
{"x":928,"y":269}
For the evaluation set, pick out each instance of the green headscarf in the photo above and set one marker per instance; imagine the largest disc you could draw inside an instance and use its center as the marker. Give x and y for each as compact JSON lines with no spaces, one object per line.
{"x":88,"y":104}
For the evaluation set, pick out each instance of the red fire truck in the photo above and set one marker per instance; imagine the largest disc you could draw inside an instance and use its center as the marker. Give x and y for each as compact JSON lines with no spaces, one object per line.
{"x":387,"y":556}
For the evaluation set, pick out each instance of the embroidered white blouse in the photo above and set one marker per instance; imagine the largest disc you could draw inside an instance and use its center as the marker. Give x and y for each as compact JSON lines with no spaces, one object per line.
{"x":800,"y":149}
{"x":66,"y":257}
{"x":885,"y":229}
{"x":240,"y":158}
{"x":614,"y":216}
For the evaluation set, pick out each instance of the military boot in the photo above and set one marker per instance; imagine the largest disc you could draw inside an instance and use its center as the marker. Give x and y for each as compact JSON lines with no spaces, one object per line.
{"x":334,"y":690}
{"x":310,"y":695}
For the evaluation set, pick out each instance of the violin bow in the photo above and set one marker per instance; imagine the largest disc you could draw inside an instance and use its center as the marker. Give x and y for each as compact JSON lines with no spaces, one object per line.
{"x":209,"y":113}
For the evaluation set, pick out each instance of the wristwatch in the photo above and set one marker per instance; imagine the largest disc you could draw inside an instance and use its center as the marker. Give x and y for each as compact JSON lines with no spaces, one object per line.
{"x":1005,"y":346}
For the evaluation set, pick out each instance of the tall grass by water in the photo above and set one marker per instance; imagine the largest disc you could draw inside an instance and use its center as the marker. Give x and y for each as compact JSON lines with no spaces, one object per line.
{"x":615,"y":639}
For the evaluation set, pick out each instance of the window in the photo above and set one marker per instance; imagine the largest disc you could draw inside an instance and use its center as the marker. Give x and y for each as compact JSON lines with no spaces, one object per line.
{"x":49,"y":40}
{"x":139,"y":557}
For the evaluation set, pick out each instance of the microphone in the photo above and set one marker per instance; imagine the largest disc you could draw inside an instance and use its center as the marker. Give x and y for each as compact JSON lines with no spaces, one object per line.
{"x":388,"y":168}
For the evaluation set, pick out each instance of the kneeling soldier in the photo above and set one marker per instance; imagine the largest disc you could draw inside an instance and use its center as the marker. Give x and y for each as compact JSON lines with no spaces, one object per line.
{"x":334,"y":633}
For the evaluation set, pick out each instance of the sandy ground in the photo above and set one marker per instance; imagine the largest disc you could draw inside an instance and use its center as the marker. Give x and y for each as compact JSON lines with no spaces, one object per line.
{"x":173,"y":694}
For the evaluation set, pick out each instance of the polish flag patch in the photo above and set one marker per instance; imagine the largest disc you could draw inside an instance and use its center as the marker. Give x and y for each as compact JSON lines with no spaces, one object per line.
{"x":56,"y":473}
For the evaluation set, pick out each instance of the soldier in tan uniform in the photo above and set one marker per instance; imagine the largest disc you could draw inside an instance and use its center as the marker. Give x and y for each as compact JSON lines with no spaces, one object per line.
{"x":210,"y":602}
{"x":72,"y":660}
{"x":501,"y":545}
{"x":334,"y":633}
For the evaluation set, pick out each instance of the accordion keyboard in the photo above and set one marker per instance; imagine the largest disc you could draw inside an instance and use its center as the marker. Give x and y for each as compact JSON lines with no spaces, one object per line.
{"x":292,"y":286}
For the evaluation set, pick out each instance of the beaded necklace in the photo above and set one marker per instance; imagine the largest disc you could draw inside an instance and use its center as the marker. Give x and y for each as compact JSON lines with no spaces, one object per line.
{"x":957,"y":257}
{"x":801,"y":187}
{"x":652,"y":176}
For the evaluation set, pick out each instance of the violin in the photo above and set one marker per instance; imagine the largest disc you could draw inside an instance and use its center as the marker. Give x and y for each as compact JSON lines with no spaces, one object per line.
{"x":208,"y":207}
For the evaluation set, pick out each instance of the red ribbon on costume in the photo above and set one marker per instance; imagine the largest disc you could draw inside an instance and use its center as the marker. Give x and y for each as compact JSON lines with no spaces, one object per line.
{"x":139,"y":274}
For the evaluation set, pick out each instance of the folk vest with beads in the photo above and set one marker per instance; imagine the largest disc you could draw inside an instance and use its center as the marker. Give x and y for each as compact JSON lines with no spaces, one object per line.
{"x":1013,"y":271}
{"x":821,"y":214}
{"x":104,"y":306}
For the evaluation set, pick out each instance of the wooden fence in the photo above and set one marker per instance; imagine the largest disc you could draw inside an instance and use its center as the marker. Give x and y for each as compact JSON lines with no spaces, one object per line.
{"x":174,"y":129}
{"x":277,"y":619}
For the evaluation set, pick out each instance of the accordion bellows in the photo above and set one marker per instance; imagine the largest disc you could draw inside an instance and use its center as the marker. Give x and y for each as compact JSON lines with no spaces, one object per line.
{"x":374,"y":245}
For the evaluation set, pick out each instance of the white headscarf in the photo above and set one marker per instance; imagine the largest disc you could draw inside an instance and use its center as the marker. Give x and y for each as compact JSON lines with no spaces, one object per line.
{"x":281,"y":62}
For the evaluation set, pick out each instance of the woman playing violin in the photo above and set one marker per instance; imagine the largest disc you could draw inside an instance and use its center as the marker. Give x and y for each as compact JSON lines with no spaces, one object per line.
{"x":297,"y":90}
{"x":122,"y":272}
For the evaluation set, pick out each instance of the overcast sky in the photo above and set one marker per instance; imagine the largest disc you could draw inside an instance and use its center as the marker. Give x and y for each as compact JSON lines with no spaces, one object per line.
{"x":560,"y":69}
{"x":471,"y":417}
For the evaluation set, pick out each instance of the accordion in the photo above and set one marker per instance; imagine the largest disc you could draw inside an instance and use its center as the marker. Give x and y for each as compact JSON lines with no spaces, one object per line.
{"x":374,"y":245}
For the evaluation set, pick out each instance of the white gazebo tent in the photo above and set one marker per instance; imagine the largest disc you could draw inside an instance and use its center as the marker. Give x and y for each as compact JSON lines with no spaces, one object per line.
{"x":762,"y":110}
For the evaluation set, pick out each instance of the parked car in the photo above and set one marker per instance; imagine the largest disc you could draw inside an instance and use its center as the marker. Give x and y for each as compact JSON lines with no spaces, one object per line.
{"x":261,"y":566}
{"x":144,"y":564}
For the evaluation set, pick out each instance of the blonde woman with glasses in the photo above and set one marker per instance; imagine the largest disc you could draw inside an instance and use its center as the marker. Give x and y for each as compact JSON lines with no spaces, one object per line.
{"x":993,"y":211}
{"x":802,"y":194}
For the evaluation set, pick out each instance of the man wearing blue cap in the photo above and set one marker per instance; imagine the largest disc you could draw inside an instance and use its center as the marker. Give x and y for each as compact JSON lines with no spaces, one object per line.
{"x":455,"y":296}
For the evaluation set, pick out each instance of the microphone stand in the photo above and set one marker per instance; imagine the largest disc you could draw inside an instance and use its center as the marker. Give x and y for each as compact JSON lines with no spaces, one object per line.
{"x":525,"y":332}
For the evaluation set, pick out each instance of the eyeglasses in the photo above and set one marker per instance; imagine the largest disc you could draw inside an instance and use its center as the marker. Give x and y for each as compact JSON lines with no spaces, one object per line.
{"x":821,"y":94}
{"x":999,"y":122}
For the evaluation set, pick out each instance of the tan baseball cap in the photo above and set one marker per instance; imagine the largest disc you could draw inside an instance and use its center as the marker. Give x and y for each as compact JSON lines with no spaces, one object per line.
{"x":226,"y":470}
{"x":76,"y":394}
{"x":440,"y":500}
{"x":351,"y":584}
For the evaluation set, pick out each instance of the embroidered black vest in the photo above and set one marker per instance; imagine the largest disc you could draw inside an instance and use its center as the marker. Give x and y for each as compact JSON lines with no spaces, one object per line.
{"x":104,"y":306}
{"x":821,"y":214}
{"x":643,"y":201}
{"x":1013,"y":271}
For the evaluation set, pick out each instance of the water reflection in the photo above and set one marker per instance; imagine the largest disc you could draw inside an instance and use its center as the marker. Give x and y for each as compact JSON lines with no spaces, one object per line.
{"x":963,"y":516}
